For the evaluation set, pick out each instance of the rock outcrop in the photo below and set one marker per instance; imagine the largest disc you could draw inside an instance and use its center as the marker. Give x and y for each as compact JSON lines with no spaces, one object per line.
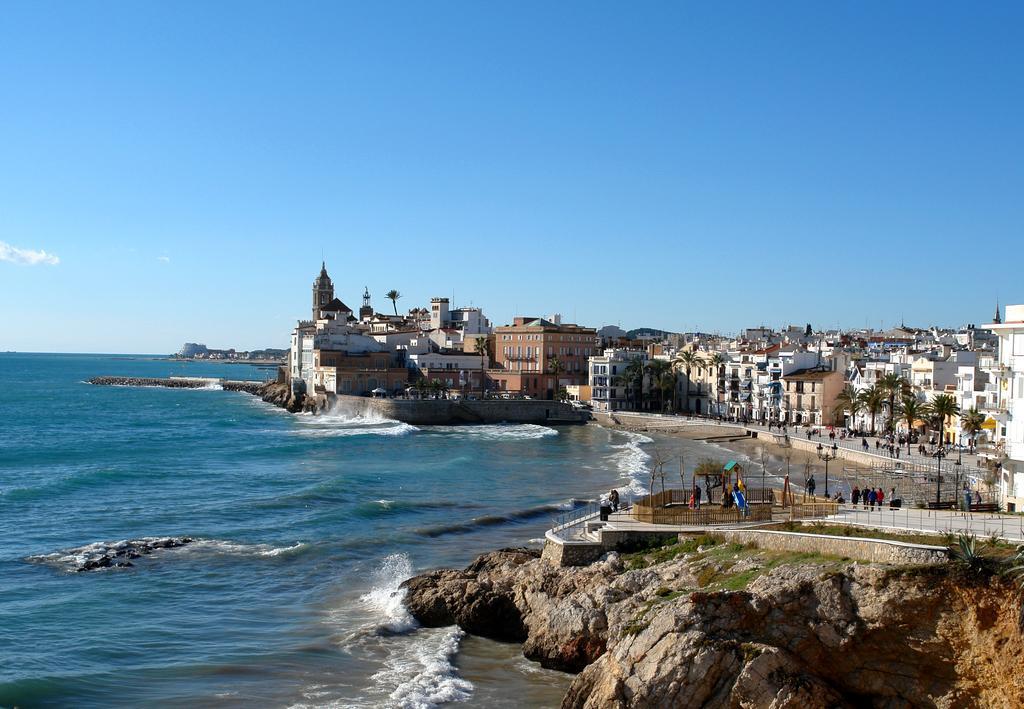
{"x":280,"y":394}
{"x":799,"y":634}
{"x":108,"y":555}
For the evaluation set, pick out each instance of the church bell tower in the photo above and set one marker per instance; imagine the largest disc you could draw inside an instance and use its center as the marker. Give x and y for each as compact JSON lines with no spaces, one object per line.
{"x":323,"y":291}
{"x":366,"y":312}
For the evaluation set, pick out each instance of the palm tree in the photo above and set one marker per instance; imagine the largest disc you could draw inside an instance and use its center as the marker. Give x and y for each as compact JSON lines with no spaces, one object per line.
{"x":911,"y":409}
{"x":555,"y":367}
{"x":483,"y":343}
{"x":656,"y":368}
{"x":940,"y":408}
{"x":849,"y":400}
{"x":667,"y":383}
{"x":687,"y":359}
{"x":873,"y":398}
{"x":393,"y":296}
{"x":894,"y":387}
{"x":634,"y":375}
{"x":971,"y":421}
{"x":716,"y":362}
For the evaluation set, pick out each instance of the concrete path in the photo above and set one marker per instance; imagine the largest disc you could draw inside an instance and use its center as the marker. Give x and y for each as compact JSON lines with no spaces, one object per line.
{"x":1005,"y":526}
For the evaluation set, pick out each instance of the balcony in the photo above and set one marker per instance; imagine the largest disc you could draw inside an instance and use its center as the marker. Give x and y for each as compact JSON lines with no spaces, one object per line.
{"x":520,"y":358}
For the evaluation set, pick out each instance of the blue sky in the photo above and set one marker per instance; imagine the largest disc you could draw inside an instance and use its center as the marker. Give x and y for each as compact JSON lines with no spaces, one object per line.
{"x":671,"y":165}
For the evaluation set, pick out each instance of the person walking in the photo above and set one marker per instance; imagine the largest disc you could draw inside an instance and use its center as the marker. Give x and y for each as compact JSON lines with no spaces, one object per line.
{"x":872,"y":498}
{"x":967,"y":499}
{"x":855,"y":496}
{"x":810,"y":486}
{"x":879,"y":498}
{"x":613,"y":496}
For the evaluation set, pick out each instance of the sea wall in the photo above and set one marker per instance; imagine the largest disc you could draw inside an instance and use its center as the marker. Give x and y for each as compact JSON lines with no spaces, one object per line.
{"x":427,"y":412}
{"x":874,"y":550}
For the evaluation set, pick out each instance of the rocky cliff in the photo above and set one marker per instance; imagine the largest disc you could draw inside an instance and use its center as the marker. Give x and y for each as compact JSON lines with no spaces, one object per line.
{"x":714,"y":624}
{"x":281,"y":395}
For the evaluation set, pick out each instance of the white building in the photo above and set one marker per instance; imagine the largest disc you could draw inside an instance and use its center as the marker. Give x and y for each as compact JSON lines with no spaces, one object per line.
{"x":1010,"y":419}
{"x":607,"y":392}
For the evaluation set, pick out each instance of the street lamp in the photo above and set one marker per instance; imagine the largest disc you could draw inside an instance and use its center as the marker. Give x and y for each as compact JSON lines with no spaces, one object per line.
{"x":939,"y":454}
{"x":827,"y":453}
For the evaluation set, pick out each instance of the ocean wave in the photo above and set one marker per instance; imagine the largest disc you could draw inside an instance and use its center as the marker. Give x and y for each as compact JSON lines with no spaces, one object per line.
{"x":338,"y":423}
{"x":386,"y":598}
{"x":632,"y":461}
{"x":418,"y":671}
{"x":422,"y":672}
{"x":385,"y":508}
{"x":522,"y":515}
{"x":498,"y":431}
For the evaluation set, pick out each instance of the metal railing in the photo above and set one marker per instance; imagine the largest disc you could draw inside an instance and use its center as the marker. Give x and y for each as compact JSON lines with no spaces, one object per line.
{"x":1009,"y":527}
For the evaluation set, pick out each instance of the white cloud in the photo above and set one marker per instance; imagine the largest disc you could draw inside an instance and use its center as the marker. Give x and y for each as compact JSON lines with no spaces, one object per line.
{"x":165,"y":259}
{"x":26,"y":257}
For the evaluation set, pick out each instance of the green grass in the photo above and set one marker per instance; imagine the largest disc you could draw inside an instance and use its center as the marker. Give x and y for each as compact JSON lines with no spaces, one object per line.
{"x":660,"y":554}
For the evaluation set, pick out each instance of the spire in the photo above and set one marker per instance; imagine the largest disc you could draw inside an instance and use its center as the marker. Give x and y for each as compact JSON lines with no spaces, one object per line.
{"x":997,"y":319}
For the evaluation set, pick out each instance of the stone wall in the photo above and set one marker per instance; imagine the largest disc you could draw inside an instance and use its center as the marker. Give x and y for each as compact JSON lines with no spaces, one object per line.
{"x":860,"y":548}
{"x":427,"y":412}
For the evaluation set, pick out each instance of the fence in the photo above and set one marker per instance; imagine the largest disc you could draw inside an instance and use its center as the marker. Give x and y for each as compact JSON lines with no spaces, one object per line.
{"x":672,"y":507}
{"x":686,"y":517}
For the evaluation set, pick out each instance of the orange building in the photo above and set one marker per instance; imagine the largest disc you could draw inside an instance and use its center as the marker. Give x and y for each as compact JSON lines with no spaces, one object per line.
{"x":356,"y":374}
{"x":524,"y":353}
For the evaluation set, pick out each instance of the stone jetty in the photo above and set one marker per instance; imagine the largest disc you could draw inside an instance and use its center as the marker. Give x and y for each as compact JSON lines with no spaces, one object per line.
{"x":247,"y":386}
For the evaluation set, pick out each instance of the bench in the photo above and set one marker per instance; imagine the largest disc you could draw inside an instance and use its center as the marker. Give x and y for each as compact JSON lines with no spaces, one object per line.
{"x":940,"y":505}
{"x":984,"y":507}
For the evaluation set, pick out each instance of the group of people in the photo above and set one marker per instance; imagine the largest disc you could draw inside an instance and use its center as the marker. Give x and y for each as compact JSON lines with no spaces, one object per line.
{"x":871,"y":496}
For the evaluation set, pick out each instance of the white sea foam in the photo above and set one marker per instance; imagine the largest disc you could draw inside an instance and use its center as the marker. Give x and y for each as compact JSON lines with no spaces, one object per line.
{"x":386,"y":600}
{"x":417,"y":668}
{"x":339,"y":422}
{"x":499,"y":431}
{"x":632,"y":460}
{"x":220,"y":546}
{"x":423,"y":675}
{"x":355,"y":428}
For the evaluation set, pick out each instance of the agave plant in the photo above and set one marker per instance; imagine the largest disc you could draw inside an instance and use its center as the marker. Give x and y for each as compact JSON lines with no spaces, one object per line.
{"x":1017,"y":570}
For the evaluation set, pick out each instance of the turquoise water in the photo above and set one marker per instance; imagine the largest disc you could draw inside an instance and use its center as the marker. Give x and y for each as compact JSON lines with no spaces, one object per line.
{"x":304,"y":527}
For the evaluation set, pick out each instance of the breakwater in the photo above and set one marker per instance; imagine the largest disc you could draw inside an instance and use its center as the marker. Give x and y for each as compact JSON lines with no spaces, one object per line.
{"x":247,"y":386}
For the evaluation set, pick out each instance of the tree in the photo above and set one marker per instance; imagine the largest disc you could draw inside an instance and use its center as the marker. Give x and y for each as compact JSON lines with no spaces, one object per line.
{"x":687,"y":359}
{"x":483,"y":347}
{"x":873,"y":399}
{"x":393,"y":296}
{"x":716,"y":362}
{"x":972,"y":421}
{"x":657,"y":368}
{"x":849,"y":400}
{"x":634,"y":375}
{"x":940,"y":408}
{"x":911,"y":409}
{"x":894,"y":387}
{"x":667,"y":384}
{"x":555,"y":367}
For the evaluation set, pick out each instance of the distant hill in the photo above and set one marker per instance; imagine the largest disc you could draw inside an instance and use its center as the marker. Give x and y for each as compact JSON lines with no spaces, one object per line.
{"x":647,"y":333}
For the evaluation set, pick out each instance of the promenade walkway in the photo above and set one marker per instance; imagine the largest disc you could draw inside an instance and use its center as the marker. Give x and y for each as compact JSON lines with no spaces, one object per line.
{"x":1005,"y":526}
{"x":971,"y":465}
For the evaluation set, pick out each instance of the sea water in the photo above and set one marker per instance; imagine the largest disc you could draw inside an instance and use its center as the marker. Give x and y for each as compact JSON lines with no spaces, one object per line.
{"x":304,"y":527}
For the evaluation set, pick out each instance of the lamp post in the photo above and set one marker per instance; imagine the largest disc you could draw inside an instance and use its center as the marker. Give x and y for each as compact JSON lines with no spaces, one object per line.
{"x":939,"y":454}
{"x":827,"y":453}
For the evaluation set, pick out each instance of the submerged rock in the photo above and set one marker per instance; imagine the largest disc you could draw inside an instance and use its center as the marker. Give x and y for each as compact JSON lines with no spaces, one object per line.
{"x":106,"y":555}
{"x":797,"y":635}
